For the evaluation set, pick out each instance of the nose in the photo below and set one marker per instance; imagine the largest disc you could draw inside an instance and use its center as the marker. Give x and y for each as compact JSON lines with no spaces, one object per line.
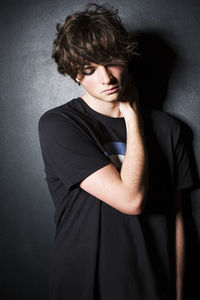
{"x":105,"y":75}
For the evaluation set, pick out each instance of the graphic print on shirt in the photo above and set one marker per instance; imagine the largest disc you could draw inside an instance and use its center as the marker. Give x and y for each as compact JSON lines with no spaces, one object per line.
{"x":115,"y":151}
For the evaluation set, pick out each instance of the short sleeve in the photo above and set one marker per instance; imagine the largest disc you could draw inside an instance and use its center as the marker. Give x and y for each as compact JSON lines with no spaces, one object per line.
{"x":68,"y":150}
{"x":183,"y":166}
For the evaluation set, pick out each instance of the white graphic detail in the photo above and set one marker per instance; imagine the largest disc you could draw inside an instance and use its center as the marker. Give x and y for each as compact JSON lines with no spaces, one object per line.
{"x":117,"y":160}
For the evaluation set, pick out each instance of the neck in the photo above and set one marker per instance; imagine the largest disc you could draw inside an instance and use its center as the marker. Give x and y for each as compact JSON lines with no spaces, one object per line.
{"x":110,"y":109}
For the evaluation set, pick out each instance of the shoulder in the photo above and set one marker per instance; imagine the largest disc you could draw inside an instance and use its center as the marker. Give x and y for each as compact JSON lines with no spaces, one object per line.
{"x":67,"y":120}
{"x":165,"y":123}
{"x":57,"y":115}
{"x":164,"y":119}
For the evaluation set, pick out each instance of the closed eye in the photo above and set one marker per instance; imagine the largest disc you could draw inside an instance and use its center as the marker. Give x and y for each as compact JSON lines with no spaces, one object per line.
{"x":88,"y":71}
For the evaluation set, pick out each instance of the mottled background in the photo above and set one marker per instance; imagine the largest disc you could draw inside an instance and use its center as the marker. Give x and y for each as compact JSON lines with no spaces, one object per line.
{"x":169,"y":32}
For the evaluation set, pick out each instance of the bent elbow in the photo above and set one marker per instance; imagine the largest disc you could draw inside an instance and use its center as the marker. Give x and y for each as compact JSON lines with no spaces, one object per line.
{"x":136,"y":211}
{"x":137,"y":206}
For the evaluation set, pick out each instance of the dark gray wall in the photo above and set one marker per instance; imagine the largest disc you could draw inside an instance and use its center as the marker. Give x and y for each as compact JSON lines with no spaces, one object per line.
{"x":30,"y":85}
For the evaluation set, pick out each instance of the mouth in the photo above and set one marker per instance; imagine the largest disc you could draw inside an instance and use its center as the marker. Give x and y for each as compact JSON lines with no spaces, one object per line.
{"x":111,"y":91}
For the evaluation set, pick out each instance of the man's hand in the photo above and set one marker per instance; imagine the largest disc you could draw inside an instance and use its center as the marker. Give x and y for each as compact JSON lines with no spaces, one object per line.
{"x":130,"y":95}
{"x":127,"y":110}
{"x":129,"y":106}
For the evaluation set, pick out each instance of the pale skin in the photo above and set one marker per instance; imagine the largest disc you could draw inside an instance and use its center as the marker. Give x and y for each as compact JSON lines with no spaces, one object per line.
{"x":109,"y":91}
{"x":124,"y":191}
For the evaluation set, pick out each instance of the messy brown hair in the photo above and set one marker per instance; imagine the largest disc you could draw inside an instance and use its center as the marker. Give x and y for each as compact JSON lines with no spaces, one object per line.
{"x":95,"y":35}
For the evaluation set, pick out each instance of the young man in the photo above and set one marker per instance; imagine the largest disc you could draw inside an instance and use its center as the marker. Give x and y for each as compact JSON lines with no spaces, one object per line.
{"x":112,"y":174}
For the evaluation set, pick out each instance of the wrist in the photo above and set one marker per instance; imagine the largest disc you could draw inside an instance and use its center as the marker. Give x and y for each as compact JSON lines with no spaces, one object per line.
{"x":133,"y":120}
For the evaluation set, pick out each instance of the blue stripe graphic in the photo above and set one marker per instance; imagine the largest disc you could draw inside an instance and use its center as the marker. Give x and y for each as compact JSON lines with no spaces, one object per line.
{"x":115,"y":148}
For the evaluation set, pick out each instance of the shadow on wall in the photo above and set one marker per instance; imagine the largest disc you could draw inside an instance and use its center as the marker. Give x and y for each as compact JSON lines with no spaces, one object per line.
{"x":152,"y":72}
{"x":153,"y":69}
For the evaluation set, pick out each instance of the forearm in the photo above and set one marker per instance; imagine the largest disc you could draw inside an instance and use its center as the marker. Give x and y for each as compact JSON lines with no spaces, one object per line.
{"x":134,"y":168}
{"x":180,"y":245}
{"x":124,"y":191}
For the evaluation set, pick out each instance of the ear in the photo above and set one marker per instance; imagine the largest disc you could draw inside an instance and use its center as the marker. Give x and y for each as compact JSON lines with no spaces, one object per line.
{"x":78,"y":81}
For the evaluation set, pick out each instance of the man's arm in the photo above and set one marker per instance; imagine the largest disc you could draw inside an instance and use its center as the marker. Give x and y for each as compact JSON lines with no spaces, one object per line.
{"x":125,"y":191}
{"x":179,"y":247}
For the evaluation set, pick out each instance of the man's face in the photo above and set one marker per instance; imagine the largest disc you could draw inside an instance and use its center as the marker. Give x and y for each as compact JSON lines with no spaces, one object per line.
{"x":105,"y":83}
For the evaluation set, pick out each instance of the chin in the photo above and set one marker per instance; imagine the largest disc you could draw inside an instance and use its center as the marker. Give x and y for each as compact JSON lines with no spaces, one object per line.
{"x":113,"y":97}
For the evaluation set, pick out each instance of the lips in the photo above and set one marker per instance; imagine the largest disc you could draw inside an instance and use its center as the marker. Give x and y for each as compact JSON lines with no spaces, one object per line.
{"x":112,"y":90}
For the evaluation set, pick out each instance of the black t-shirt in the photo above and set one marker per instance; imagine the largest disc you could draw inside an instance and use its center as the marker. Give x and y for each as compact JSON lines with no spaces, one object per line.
{"x":99,"y":252}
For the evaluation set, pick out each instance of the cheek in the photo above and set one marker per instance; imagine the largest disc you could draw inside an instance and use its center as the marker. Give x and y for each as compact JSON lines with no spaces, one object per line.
{"x":88,"y":83}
